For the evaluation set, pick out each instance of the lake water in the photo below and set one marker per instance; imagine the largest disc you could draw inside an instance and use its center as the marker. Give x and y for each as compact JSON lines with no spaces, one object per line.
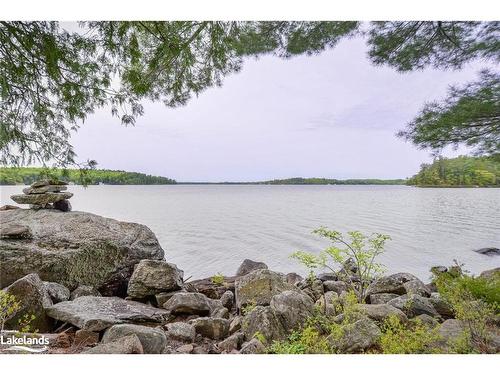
{"x":206,"y":229}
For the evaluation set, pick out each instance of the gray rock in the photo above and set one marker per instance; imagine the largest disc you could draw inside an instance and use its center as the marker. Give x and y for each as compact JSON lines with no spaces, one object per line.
{"x":9,"y":207}
{"x":64,"y":205}
{"x":181,"y":331}
{"x":235,"y":324}
{"x":74,"y":248}
{"x":227,"y":299}
{"x":416,"y":287}
{"x":84,"y":290}
{"x":413,"y":305}
{"x":233,"y":342}
{"x":221,"y":312}
{"x":185,"y":349}
{"x":357,"y":337}
{"x":85,"y":338}
{"x":429,"y":321}
{"x":313,"y":289}
{"x":57,"y":292}
{"x":331,"y":299}
{"x":328,"y":276}
{"x":188,"y":303}
{"x":151,"y":277}
{"x":15,"y":231}
{"x":161,"y":298}
{"x":40,"y":199}
{"x":293,"y":278}
{"x":490,"y":274}
{"x":98,"y":313}
{"x":33,"y":299}
{"x":438,"y":270}
{"x":451,"y":330}
{"x":442,"y":307}
{"x":263,"y":319}
{"x":382,"y":298}
{"x":335,"y":286}
{"x":293,"y":308}
{"x":248,"y":266}
{"x":253,"y":346}
{"x":391,"y":284}
{"x":124,"y":345}
{"x":381,"y":312}
{"x":214,"y":328}
{"x":153,"y":340}
{"x":259,"y":287}
{"x":488,"y":251}
{"x":45,"y":189}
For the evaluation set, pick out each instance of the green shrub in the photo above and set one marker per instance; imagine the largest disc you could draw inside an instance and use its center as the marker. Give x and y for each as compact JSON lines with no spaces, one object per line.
{"x":217,"y":279}
{"x":9,"y":306}
{"x":416,"y":338}
{"x":305,"y":341}
{"x":360,"y":248}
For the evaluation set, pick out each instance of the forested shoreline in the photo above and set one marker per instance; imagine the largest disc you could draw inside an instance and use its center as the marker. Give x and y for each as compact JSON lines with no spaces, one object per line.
{"x":26,"y":176}
{"x":462,"y":171}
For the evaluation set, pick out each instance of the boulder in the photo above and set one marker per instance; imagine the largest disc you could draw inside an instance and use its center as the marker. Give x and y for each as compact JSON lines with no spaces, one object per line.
{"x":438,"y":270}
{"x":327,"y":276}
{"x":417,"y":287}
{"x":86,"y":338}
{"x":293,"y":278}
{"x":47,"y":182}
{"x":451,"y":330}
{"x":442,"y":307}
{"x":57,"y":292}
{"x":75,"y":248}
{"x":390,"y":284}
{"x":248,"y":266}
{"x":313,"y":288}
{"x":233,"y":342}
{"x":258,"y":287}
{"x":491,"y":274}
{"x":41,"y":199}
{"x":413,"y":305}
{"x":15,"y":232}
{"x":213,"y":328}
{"x":189,"y":304}
{"x":335,"y":286}
{"x":382,"y":298}
{"x":151,"y":277}
{"x":220,"y":312}
{"x":381,"y":312}
{"x":9,"y":207}
{"x":227,"y":299}
{"x":427,"y":320}
{"x":33,"y":298}
{"x":84,"y":290}
{"x":185,"y":349}
{"x":153,"y":340}
{"x":253,"y":346}
{"x":327,"y":303}
{"x":98,"y":313}
{"x":209,"y":288}
{"x":235,"y":324}
{"x":124,"y":345}
{"x":161,"y":298}
{"x":356,"y":338}
{"x":265,"y":321}
{"x":181,"y":331}
{"x":293,"y":308}
{"x":488,"y":251}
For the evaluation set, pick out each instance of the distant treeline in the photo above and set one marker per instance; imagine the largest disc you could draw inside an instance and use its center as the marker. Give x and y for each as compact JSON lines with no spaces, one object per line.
{"x":307,"y":181}
{"x":460,"y":171}
{"x":15,"y":176}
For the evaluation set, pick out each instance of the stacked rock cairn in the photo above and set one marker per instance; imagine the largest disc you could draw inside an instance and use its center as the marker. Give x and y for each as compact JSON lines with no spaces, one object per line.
{"x":45,"y":194}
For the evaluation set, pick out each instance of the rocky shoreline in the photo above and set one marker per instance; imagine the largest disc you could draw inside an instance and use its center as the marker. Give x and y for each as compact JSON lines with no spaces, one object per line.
{"x":98,"y":285}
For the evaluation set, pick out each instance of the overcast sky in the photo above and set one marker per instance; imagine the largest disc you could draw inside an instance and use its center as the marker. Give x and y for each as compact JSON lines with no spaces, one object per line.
{"x":332,"y":115}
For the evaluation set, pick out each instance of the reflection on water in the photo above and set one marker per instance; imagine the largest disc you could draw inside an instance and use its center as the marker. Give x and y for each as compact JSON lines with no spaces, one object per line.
{"x":206,"y":229}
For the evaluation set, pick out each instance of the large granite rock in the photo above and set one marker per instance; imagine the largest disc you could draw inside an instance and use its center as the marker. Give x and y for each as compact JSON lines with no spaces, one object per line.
{"x":188,"y":303}
{"x":57,"y":292}
{"x":75,"y":248}
{"x":153,"y":340}
{"x":381,"y":312}
{"x":181,"y":331}
{"x":124,"y":345}
{"x":265,"y":321}
{"x":213,"y":328}
{"x":32,"y":296}
{"x":259,"y":286}
{"x":248,"y":266}
{"x":414,"y":305}
{"x":98,"y":313}
{"x":356,"y":338}
{"x":391,"y":284}
{"x":151,"y":277}
{"x":293,"y":308}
